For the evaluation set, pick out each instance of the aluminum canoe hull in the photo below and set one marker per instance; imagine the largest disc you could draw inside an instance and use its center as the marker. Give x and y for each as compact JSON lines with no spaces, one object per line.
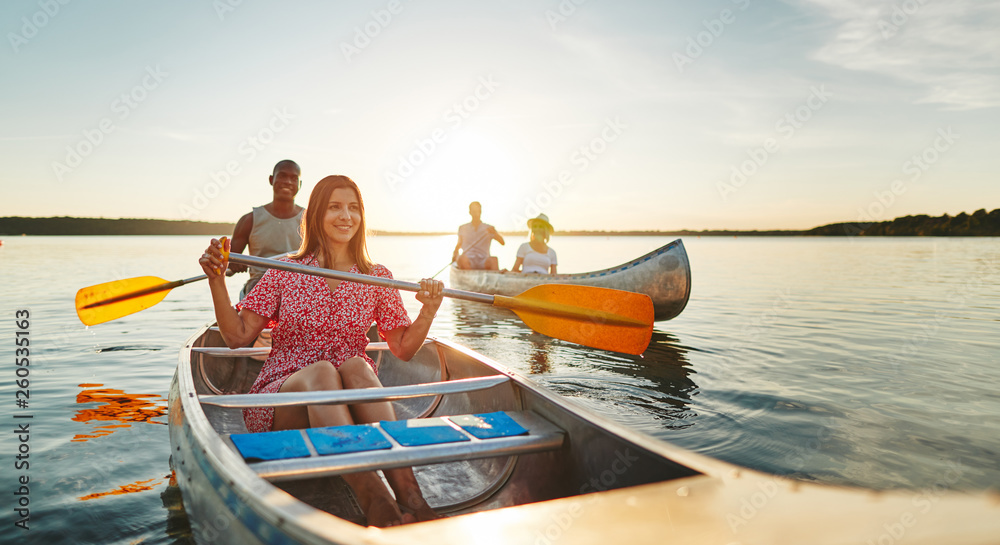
{"x":606,"y":483}
{"x":663,"y":274}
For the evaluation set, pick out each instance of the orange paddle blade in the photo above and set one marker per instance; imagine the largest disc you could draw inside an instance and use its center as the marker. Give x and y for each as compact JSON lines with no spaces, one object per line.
{"x":112,"y":300}
{"x":621,"y":321}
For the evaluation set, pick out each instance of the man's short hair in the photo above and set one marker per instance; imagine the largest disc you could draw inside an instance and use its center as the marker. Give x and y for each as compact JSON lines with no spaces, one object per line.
{"x":284,"y":162}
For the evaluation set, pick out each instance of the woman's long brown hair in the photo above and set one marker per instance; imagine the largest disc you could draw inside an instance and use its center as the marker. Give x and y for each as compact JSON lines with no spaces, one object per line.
{"x":313,"y":239}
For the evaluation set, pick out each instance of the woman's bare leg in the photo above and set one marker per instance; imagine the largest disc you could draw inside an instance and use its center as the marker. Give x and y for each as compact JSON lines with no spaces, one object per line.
{"x":375,"y":500}
{"x":357,"y":373}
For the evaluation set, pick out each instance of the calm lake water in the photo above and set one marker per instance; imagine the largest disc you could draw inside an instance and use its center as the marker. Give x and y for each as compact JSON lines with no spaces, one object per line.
{"x":868,"y":362}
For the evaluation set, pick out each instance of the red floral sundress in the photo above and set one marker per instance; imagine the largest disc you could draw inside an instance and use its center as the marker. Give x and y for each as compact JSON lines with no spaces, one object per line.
{"x":316,"y":323}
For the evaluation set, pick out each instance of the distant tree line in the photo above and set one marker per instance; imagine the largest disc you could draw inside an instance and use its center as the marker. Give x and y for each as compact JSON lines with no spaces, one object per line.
{"x":979,"y":224}
{"x":14,"y":226}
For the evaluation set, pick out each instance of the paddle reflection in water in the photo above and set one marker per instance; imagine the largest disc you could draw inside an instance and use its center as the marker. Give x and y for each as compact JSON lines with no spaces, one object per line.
{"x":138,"y":486}
{"x":540,"y":357}
{"x":658,"y":383}
{"x":116,"y":406}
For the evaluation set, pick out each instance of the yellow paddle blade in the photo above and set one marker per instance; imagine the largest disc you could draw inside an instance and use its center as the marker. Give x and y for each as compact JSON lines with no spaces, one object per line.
{"x":621,"y":321}
{"x":112,"y":300}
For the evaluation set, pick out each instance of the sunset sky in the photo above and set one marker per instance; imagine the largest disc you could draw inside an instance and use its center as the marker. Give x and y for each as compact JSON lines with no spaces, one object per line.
{"x":735,"y":114}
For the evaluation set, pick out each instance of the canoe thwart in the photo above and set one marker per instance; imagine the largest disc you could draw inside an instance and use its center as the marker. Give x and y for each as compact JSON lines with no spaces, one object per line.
{"x":319,"y":452}
{"x":347,"y":397}
{"x":222,"y":352}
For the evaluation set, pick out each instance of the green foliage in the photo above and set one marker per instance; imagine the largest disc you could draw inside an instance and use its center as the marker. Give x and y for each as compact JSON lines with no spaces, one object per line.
{"x":979,"y":224}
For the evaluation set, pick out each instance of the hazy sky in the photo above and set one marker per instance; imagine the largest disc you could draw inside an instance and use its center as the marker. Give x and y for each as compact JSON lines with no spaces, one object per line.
{"x":604,"y":115}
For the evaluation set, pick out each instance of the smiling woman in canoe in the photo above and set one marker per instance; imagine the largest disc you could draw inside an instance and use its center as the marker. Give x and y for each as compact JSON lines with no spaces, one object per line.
{"x":320,"y":338}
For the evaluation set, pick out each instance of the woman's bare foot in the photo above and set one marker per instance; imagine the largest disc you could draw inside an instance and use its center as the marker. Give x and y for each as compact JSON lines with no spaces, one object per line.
{"x":382,"y":511}
{"x":425,"y":513}
{"x":417,"y":508}
{"x":407,"y":490}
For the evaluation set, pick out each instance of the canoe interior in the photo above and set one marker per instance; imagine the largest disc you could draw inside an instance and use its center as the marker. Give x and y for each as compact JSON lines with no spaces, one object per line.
{"x":592,"y":458}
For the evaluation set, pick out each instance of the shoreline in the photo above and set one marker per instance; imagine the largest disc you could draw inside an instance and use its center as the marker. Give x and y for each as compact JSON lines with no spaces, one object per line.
{"x":978,"y":224}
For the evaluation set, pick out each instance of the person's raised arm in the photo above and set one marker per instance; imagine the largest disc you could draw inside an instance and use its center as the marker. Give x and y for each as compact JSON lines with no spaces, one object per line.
{"x":405,"y":341}
{"x":497,"y":236}
{"x":237,"y":328}
{"x":454,"y":255}
{"x":241,"y":237}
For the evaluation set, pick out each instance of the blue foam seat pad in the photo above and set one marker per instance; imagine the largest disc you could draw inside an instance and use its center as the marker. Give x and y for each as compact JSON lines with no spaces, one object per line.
{"x":489,"y":425}
{"x":345,"y":439}
{"x":285,"y":444}
{"x":274,"y":445}
{"x":424,"y":431}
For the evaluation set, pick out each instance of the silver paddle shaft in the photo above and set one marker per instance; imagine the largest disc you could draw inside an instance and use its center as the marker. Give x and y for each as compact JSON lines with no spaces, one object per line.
{"x":352,"y":277}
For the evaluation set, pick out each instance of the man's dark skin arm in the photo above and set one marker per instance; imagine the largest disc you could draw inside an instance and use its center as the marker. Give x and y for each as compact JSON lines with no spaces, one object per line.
{"x":241,"y":237}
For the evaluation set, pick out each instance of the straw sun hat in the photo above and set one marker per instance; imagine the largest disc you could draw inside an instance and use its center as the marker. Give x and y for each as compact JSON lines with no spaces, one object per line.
{"x":542,"y":221}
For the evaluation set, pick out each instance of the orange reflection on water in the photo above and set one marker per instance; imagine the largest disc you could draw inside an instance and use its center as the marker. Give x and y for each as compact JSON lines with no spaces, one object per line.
{"x":116,"y":406}
{"x":137,"y":486}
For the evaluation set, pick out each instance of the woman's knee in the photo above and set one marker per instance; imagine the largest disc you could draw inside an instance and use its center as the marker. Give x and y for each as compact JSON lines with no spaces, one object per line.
{"x":322,"y":375}
{"x":356,"y":370}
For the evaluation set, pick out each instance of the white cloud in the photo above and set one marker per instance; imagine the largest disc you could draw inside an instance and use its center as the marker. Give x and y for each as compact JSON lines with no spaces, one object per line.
{"x":950,"y":51}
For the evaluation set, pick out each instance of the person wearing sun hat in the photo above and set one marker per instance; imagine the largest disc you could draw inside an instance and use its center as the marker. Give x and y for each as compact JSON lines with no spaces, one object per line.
{"x":536,"y":256}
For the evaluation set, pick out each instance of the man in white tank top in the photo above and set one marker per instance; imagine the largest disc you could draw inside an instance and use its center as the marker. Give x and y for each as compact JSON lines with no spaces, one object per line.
{"x":271,"y":229}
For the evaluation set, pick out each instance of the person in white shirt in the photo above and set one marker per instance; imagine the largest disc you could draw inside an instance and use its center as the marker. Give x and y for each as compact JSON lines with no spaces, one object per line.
{"x":536,"y":256}
{"x":474,"y":240}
